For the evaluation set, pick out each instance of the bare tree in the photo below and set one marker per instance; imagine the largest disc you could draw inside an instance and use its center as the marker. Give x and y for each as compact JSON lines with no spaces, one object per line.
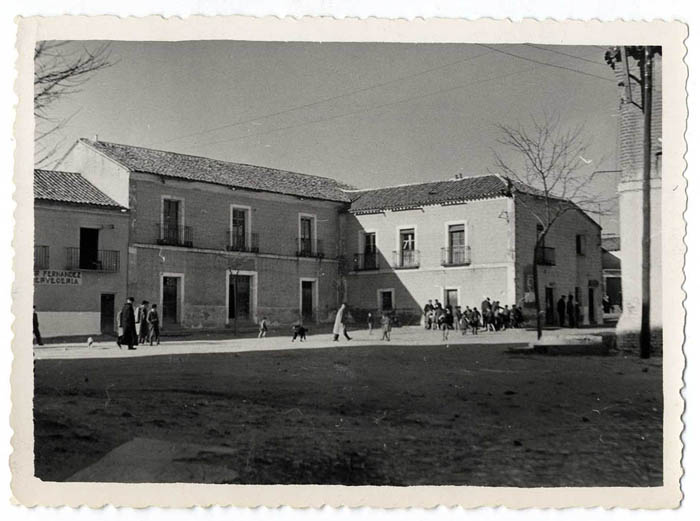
{"x":60,"y":69}
{"x":551,"y":176}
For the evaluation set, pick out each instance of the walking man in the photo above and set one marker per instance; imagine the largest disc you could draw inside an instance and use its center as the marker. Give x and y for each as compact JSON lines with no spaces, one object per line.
{"x":127,"y":323}
{"x":561,"y":311}
{"x":386,"y":327}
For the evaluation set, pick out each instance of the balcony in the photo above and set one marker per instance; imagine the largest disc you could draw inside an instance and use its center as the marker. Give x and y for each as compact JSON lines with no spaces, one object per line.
{"x":365,"y":261}
{"x":306,"y":247}
{"x":92,"y":260}
{"x":41,"y":258}
{"x":546,"y":256}
{"x":456,"y":256}
{"x":171,"y":235}
{"x":242,"y":243}
{"x":406,"y":259}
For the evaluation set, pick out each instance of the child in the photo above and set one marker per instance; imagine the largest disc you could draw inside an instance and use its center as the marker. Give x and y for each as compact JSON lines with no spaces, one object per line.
{"x":153,"y":325}
{"x":386,"y":327}
{"x":464,"y":320}
{"x":263,"y":328}
{"x":299,"y":331}
{"x":370,"y":323}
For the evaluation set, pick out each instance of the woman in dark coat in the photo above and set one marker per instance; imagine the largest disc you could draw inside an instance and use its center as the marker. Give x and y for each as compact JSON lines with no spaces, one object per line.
{"x":127,"y":324}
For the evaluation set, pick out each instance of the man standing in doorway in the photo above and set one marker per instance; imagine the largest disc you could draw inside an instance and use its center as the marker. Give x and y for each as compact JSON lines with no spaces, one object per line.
{"x":127,"y":323}
{"x":561,"y":311}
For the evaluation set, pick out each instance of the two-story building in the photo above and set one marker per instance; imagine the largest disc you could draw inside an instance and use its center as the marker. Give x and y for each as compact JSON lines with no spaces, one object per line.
{"x":462,"y":240}
{"x":80,"y":250}
{"x":216,"y":243}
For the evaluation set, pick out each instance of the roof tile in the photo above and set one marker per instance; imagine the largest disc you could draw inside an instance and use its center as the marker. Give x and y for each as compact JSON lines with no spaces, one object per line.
{"x":68,"y":187}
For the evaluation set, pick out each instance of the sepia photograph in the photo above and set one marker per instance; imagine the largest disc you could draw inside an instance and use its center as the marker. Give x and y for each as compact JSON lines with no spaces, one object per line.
{"x":348,"y":263}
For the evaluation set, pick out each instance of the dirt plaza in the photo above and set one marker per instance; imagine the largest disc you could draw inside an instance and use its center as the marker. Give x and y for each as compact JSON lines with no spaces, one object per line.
{"x":412,"y":412}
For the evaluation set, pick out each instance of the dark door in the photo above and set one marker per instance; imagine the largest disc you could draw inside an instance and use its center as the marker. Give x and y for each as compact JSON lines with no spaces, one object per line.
{"x":238,"y":228}
{"x":386,"y":300}
{"x":170,"y":300}
{"x":307,"y":299}
{"x":370,"y":251}
{"x":89,"y":239}
{"x":591,"y":305}
{"x":305,"y":240}
{"x":107,"y":313}
{"x":549,"y":306}
{"x":451,"y":298}
{"x":239,"y":297}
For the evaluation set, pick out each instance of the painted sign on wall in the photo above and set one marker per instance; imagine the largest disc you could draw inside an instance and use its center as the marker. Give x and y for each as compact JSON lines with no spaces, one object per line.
{"x":58,"y":277}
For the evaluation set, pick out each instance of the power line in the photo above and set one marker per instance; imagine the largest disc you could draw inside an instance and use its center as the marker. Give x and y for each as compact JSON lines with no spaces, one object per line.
{"x":547,"y":64}
{"x":325,"y":100}
{"x":397,"y":102}
{"x":566,"y":54}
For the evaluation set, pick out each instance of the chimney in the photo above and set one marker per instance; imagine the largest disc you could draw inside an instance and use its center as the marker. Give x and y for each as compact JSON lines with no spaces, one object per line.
{"x":97,"y":138}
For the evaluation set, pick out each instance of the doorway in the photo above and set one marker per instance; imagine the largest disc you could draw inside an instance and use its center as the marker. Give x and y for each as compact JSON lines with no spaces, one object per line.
{"x":171,"y":304}
{"x":107,"y":313}
{"x":452,"y":298}
{"x":549,"y":306}
{"x":239,"y":297}
{"x":307,"y":300}
{"x":591,"y":306}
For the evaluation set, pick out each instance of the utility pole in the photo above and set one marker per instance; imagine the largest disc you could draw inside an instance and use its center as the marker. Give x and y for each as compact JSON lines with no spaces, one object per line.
{"x":645,"y":333}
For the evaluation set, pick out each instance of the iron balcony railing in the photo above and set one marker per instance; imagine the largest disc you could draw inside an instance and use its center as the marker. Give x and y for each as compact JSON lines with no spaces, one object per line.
{"x":365,"y":261}
{"x":237,"y":242}
{"x":456,"y":256}
{"x":94,"y":260}
{"x":41,"y":257}
{"x":172,"y":235}
{"x":406,"y":259}
{"x":546,"y":256}
{"x":306,"y":247}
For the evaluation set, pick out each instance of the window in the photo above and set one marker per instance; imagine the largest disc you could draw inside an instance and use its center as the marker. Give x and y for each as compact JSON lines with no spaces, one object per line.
{"x":89,"y":240}
{"x":171,"y":219}
{"x":386,"y":299}
{"x":581,"y":244}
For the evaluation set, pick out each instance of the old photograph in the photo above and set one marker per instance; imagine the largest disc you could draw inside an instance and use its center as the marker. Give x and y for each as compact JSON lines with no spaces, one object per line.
{"x":349,"y":263}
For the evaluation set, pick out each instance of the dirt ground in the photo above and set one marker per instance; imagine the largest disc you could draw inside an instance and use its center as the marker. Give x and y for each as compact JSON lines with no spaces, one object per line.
{"x":367,"y":415}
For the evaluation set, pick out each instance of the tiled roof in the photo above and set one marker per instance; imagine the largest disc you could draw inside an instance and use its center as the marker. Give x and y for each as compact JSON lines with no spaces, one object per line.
{"x":68,"y":187}
{"x":610,"y":243}
{"x":239,"y":175}
{"x":438,"y":192}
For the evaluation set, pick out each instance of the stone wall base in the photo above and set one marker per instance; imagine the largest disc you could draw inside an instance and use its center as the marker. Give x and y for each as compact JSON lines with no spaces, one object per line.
{"x":629,"y":341}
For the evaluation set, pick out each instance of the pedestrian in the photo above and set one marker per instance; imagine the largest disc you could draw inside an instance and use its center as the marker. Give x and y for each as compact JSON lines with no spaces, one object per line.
{"x":506,"y":317}
{"x":127,"y":325}
{"x":153,"y":325}
{"x":485,"y":311}
{"x":561,"y":311}
{"x":464,"y":320}
{"x":142,"y":322}
{"x":444,"y":327}
{"x":386,"y":327}
{"x":570,"y":311}
{"x":35,"y":327}
{"x":339,"y":325}
{"x":427,"y":313}
{"x":262,"y":333}
{"x":370,"y":323}
{"x":474,"y":320}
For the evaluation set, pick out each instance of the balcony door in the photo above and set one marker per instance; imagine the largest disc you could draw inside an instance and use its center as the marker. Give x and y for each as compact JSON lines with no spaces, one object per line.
{"x":89,"y":241}
{"x":370,"y":251}
{"x":171,"y":221}
{"x":456,"y":244}
{"x":408,"y":247}
{"x":306,"y":227}
{"x":238,"y":229}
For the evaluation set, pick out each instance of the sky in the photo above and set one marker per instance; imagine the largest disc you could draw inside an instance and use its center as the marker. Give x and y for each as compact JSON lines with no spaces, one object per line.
{"x":366,"y":114}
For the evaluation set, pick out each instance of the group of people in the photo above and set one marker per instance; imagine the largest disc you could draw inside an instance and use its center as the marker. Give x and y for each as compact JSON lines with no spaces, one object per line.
{"x":138,"y":326}
{"x":569,"y":309}
{"x":491,"y":317}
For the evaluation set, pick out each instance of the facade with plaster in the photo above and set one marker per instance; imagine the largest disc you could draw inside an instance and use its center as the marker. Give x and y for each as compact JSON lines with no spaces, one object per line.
{"x":80,"y":252}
